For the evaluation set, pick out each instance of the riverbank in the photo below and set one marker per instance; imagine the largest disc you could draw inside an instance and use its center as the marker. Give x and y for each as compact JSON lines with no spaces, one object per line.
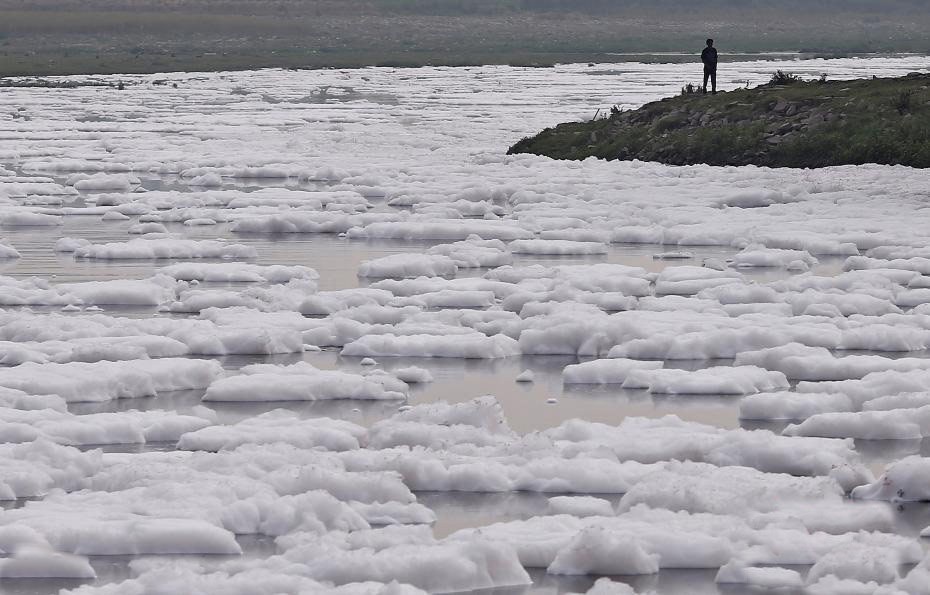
{"x":785,"y":123}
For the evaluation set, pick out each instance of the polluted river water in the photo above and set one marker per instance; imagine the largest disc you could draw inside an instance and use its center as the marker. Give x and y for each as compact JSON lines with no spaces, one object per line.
{"x":253,"y":320}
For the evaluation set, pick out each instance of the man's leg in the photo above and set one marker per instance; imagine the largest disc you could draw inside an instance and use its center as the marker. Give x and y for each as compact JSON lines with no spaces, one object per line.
{"x":713,"y":80}
{"x":706,"y":76}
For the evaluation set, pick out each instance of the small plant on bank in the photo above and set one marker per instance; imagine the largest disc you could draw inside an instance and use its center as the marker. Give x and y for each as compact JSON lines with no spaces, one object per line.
{"x":690,"y":89}
{"x":902,"y":101}
{"x":823,"y":78}
{"x":780,"y":77}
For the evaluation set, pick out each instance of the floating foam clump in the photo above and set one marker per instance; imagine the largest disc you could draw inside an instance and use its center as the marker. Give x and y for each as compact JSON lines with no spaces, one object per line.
{"x":469,"y":346}
{"x":32,"y":562}
{"x":105,"y":380}
{"x":8,"y":252}
{"x":402,"y":266}
{"x":605,"y":371}
{"x":303,"y":382}
{"x":151,"y":249}
{"x":904,"y":480}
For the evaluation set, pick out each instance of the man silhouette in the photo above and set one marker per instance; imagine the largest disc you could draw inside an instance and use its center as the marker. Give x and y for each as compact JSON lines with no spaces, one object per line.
{"x":709,"y":58}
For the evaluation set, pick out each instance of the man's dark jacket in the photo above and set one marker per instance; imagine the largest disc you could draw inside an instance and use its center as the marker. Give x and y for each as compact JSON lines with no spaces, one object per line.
{"x":709,"y":58}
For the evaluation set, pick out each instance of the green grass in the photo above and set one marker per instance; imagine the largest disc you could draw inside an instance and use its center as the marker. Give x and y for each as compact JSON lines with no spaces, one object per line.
{"x":883,"y":121}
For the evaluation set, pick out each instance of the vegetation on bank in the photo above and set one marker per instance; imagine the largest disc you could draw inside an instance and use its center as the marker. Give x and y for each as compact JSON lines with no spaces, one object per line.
{"x":785,"y":123}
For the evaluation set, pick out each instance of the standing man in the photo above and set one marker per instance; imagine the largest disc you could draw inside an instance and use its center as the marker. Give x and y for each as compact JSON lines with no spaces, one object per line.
{"x":709,"y":58}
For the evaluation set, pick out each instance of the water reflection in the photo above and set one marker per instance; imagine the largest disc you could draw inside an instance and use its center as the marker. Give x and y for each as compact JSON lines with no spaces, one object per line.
{"x":463,"y":510}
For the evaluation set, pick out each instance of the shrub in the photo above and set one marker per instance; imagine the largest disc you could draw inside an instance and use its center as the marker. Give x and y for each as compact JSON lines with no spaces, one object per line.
{"x":780,"y":77}
{"x":902,"y":101}
{"x":690,"y":89}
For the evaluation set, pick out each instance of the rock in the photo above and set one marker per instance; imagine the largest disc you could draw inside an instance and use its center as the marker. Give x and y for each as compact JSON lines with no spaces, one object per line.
{"x":525,"y":376}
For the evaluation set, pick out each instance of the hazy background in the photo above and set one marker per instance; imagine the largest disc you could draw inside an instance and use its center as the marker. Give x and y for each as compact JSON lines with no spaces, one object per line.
{"x":83,"y":36}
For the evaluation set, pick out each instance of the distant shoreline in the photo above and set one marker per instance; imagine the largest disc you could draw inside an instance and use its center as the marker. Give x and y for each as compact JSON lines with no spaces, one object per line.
{"x":45,"y":79}
{"x":106,"y":37}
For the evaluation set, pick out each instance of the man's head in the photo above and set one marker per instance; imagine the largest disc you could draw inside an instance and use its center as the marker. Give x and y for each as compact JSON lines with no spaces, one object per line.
{"x":710,"y":43}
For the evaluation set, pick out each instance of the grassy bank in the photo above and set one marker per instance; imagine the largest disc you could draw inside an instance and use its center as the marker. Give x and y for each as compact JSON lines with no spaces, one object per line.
{"x":786,"y":123}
